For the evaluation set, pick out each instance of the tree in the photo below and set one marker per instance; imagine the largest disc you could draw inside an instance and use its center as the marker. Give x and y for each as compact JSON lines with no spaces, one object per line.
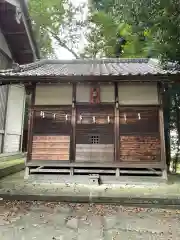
{"x":101,"y":35}
{"x":110,"y":36}
{"x":57,"y":21}
{"x":103,"y":5}
{"x":162,"y":18}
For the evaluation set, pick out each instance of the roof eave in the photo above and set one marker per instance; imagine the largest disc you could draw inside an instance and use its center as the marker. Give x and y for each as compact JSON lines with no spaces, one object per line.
{"x":76,"y":79}
{"x":28,"y":27}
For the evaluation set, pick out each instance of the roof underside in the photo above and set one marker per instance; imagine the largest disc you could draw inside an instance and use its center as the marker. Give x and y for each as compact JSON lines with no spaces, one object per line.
{"x":45,"y":70}
{"x":15,"y":34}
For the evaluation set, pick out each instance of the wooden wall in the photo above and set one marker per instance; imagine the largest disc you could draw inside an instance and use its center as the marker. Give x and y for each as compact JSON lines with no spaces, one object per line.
{"x":51,"y":133}
{"x":137,"y":118}
{"x":51,"y":147}
{"x":139,"y":134}
{"x":103,"y":131}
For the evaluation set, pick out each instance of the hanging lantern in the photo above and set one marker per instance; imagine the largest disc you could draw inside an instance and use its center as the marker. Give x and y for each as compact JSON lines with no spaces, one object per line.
{"x":66,"y":117}
{"x":80,"y":118}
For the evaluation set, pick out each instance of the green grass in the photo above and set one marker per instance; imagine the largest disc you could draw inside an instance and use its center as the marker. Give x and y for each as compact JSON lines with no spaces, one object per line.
{"x":9,"y":163}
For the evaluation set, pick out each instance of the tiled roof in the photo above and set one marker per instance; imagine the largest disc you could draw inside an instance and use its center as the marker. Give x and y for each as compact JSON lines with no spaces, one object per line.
{"x":90,"y":67}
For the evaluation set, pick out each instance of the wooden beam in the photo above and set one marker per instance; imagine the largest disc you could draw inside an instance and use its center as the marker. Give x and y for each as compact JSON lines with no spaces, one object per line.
{"x":31,"y":91}
{"x":135,"y":165}
{"x":90,"y":79}
{"x":161,"y":124}
{"x":14,"y":33}
{"x":116,"y":125}
{"x":73,"y":122}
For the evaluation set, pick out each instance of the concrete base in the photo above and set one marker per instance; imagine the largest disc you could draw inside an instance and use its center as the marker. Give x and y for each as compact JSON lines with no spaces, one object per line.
{"x":11,"y":156}
{"x":89,"y":180}
{"x":12,"y":169}
{"x":142,"y":193}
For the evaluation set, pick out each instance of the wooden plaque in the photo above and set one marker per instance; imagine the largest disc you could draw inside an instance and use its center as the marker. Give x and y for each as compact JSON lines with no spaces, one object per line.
{"x":51,"y":148}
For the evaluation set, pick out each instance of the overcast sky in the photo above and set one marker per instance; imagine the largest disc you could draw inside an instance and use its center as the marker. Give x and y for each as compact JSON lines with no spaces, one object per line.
{"x":61,"y":52}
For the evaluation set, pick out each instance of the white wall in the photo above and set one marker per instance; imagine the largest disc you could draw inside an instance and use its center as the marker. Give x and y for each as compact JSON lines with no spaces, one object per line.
{"x":54,"y":95}
{"x":141,"y":93}
{"x":84,"y":91}
{"x":14,"y":118}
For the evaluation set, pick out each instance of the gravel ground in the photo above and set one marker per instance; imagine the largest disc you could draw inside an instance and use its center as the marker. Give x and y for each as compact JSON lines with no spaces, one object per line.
{"x":57,"y":221}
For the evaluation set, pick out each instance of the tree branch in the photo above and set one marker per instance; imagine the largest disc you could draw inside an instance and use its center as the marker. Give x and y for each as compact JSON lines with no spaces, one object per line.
{"x":62,"y":44}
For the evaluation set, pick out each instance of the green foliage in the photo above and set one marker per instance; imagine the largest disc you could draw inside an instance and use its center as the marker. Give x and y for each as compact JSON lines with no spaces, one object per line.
{"x":105,"y":31}
{"x":46,"y":14}
{"x":161,"y":18}
{"x":56,"y":21}
{"x":157,"y":22}
{"x":104,"y":5}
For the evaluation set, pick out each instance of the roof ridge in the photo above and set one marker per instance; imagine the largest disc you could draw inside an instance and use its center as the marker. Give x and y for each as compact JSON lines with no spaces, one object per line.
{"x":38,"y":63}
{"x":87,"y":60}
{"x":89,"y":67}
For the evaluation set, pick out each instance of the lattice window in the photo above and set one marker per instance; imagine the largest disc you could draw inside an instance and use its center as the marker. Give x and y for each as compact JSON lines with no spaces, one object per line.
{"x":94,"y":139}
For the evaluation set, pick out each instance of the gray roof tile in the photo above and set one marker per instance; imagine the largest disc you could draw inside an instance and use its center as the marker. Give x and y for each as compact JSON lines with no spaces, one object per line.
{"x":89,"y":67}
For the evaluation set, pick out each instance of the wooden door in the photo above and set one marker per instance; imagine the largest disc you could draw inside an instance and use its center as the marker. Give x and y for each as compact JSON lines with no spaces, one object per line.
{"x":95,"y":134}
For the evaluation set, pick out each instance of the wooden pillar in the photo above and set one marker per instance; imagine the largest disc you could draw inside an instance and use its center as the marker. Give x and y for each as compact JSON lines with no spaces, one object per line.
{"x":116,"y":125}
{"x":161,"y":129}
{"x":30,"y":90}
{"x":73,"y":122}
{"x":166,"y":113}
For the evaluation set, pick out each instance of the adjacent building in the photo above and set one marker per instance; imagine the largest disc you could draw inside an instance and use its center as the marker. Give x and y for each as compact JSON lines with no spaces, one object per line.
{"x":17,"y":45}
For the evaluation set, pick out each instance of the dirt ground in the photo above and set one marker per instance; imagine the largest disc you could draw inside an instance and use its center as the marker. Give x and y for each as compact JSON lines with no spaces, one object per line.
{"x":58,"y":221}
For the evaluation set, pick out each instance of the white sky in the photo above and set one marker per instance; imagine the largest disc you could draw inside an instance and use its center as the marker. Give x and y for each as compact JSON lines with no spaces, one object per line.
{"x":61,"y":52}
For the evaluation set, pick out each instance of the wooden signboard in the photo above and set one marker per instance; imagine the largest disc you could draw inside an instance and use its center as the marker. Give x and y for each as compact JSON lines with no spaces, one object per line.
{"x":51,"y":148}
